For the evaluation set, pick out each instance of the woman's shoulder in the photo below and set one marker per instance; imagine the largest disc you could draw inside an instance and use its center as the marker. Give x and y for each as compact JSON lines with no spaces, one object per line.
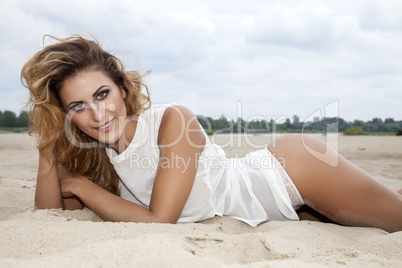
{"x":178,"y":110}
{"x":179,"y":121}
{"x":166,"y":110}
{"x":177,"y":116}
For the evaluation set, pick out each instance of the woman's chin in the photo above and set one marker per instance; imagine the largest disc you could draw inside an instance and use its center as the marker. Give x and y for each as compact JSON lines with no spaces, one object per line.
{"x":114,"y":141}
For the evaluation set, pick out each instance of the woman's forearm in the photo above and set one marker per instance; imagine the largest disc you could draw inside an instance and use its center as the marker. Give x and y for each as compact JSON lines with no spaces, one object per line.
{"x":108,"y":206}
{"x":47,"y":193}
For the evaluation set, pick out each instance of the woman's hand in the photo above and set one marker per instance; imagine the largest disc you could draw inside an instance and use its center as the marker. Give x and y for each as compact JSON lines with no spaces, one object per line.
{"x":68,"y":186}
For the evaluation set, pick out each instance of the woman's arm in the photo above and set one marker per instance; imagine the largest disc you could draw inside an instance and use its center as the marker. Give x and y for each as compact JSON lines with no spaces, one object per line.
{"x":106,"y":205}
{"x":48,"y":194}
{"x":180,"y":141}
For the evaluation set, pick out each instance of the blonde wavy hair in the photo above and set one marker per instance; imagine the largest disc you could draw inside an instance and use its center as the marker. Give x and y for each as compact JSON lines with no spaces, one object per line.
{"x":44,"y":75}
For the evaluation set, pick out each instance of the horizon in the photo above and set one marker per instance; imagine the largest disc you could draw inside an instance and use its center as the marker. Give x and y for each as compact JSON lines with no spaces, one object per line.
{"x":282,"y":118}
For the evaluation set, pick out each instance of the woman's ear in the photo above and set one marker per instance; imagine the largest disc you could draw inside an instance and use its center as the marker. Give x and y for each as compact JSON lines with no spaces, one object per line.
{"x":123,"y":92}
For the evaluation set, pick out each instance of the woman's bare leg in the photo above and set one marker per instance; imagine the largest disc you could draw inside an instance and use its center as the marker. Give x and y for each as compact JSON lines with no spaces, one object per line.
{"x":342,"y":191}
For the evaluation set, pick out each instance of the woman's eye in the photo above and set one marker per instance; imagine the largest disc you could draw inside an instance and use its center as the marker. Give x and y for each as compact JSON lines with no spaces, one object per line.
{"x":78,"y":107}
{"x":103,"y":94}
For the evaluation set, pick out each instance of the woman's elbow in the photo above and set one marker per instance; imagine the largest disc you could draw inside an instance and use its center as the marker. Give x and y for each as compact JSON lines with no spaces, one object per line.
{"x":166,"y":219}
{"x":44,"y":205}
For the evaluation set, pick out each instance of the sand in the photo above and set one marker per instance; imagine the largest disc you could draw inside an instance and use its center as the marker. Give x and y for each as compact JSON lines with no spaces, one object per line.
{"x":56,"y":238}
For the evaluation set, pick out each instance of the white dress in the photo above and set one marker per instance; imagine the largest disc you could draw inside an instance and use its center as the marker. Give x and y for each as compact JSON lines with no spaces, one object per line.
{"x":253,"y":189}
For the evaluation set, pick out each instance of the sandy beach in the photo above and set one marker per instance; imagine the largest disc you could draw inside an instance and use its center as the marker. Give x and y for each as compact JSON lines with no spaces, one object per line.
{"x":56,"y":238}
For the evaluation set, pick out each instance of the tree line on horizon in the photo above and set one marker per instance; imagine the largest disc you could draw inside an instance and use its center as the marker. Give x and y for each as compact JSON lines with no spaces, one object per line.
{"x":323,"y":125}
{"x":9,"y":119}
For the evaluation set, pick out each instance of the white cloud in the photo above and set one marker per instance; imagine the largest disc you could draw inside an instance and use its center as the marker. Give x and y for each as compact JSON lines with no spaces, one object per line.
{"x":281,"y":57}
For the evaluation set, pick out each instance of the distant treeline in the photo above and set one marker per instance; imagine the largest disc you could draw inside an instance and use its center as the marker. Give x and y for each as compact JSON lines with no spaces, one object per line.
{"x":281,"y":124}
{"x":9,"y":119}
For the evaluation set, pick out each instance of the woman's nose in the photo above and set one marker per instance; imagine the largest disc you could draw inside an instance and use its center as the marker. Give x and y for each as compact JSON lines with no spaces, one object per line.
{"x":98,"y":112}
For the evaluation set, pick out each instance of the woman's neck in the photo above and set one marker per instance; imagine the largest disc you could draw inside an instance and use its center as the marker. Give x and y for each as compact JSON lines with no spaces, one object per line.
{"x":127,"y":137}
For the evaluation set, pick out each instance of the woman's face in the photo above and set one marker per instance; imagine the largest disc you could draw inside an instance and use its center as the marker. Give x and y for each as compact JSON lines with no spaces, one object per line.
{"x":95,"y":105}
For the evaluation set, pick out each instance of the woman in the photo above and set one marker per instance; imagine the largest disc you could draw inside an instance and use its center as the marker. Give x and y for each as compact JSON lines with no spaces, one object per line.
{"x":102,"y":145}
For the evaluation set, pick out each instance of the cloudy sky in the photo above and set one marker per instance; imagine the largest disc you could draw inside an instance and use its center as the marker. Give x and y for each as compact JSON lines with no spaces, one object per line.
{"x":254,"y":58}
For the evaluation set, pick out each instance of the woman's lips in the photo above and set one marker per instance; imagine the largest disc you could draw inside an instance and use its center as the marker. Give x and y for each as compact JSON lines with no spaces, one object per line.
{"x":106,"y":127}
